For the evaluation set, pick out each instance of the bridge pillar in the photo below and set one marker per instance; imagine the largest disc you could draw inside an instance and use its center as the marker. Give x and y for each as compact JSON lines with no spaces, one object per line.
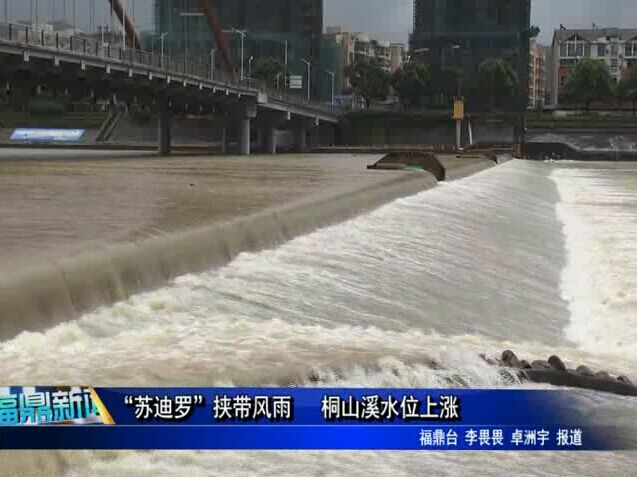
{"x":240,"y":115}
{"x":244,"y":136}
{"x":164,"y":131}
{"x":225,"y":140}
{"x":270,"y":122}
{"x":301,"y":137}
{"x":270,"y":140}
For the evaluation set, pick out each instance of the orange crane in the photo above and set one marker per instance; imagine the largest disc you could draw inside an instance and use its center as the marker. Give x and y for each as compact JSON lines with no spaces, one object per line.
{"x":133,"y":38}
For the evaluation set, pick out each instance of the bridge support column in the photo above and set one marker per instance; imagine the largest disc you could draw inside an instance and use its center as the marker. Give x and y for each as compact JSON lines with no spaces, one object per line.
{"x":270,"y":122}
{"x":240,"y":116}
{"x":244,"y":136}
{"x":164,"y":131}
{"x":270,"y":140}
{"x":301,"y":137}
{"x":225,"y":140}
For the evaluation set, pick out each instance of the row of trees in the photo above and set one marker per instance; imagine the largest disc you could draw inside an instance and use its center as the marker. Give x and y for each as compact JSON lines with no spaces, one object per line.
{"x":591,"y":82}
{"x":414,"y":85}
{"x":413,"y":82}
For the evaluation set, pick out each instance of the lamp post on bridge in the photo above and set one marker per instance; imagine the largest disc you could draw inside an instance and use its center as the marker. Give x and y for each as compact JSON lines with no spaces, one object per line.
{"x":212,"y":64}
{"x":241,"y":33}
{"x":309,"y":76}
{"x":186,"y":15}
{"x":333,"y":75}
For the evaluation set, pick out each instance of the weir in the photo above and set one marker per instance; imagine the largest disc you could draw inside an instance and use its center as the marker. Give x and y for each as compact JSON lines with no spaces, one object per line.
{"x":47,"y":292}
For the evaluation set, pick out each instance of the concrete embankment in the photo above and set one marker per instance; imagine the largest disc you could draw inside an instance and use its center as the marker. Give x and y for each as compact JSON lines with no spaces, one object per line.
{"x":89,"y":233}
{"x":582,"y":145}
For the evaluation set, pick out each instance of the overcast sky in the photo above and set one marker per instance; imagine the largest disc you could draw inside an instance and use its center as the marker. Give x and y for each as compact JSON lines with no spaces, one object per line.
{"x":384,"y":19}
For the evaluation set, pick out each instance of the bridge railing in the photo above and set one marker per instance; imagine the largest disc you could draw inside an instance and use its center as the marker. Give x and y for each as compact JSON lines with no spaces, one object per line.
{"x":89,"y":47}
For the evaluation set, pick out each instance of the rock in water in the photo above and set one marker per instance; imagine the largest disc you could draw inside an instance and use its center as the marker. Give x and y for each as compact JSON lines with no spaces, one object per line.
{"x":538,"y":364}
{"x":510,"y":359}
{"x":584,"y":371}
{"x":524,"y":364}
{"x":624,"y":379}
{"x":557,"y":363}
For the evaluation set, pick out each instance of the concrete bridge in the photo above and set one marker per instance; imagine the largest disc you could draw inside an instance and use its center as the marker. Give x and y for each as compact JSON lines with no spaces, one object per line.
{"x":84,"y":67}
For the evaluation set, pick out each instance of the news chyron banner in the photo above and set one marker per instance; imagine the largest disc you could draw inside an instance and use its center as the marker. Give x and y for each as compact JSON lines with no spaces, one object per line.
{"x":303,"y":419}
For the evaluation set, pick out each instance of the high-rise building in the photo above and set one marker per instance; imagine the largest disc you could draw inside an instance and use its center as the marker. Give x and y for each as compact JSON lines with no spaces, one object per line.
{"x":463,"y":33}
{"x":616,"y":47}
{"x":269,"y":25}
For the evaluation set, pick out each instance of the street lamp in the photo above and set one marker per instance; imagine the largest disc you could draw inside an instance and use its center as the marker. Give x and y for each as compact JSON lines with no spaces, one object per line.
{"x":250,"y":66}
{"x":212,"y":64}
{"x":186,"y":15}
{"x":161,"y":52}
{"x":243,"y":36}
{"x":309,"y":73}
{"x":333,"y":75}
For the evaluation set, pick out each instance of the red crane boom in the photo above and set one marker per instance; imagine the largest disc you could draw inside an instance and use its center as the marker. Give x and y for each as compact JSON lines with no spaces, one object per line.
{"x":133,"y":38}
{"x":215,"y":26}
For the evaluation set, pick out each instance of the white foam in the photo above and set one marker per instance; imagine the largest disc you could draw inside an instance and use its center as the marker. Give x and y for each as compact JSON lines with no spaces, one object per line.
{"x":599,"y":212}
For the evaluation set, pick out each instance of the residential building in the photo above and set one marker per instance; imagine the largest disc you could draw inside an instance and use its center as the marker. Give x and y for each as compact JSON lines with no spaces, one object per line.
{"x":355,"y":46}
{"x":463,"y":33}
{"x":616,"y":47}
{"x":537,"y":76}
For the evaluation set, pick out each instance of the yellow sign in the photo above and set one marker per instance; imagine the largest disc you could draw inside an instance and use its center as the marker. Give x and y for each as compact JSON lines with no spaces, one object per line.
{"x":458,"y":109}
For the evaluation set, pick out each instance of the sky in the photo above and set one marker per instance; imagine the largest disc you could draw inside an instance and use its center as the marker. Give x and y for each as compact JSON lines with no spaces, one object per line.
{"x":383,"y":19}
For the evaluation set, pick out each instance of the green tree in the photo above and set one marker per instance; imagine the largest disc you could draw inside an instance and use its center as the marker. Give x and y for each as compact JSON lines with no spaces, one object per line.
{"x":534,"y":32}
{"x":589,"y":82}
{"x":411,"y":83}
{"x":268,"y":69}
{"x":497,"y":80}
{"x":627,"y":89}
{"x":369,"y":81}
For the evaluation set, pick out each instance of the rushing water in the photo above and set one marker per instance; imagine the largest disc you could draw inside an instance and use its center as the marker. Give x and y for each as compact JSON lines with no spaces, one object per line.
{"x":534,"y":257}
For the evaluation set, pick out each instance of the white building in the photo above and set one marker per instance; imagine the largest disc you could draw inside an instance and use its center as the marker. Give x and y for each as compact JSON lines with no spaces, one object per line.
{"x":615,"y":46}
{"x":356,"y":46}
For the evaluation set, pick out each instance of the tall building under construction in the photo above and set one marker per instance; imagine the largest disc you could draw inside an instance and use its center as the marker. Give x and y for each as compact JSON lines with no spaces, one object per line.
{"x":269,"y":26}
{"x":463,"y":33}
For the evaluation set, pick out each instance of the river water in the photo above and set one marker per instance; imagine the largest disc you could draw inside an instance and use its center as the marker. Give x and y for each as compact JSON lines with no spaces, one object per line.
{"x":536,"y":257}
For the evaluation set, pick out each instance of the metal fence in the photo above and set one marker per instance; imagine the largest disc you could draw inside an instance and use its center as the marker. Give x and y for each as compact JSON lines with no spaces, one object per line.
{"x":88,"y":47}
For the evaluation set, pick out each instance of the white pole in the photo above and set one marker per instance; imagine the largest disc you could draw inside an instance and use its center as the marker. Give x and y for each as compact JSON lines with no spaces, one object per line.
{"x":333,"y":89}
{"x":161,"y":60}
{"x":242,"y":38}
{"x":124,"y":24}
{"x":212,"y":64}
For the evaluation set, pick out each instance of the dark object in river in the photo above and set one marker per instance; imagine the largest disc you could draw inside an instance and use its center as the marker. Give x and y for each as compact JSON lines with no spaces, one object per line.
{"x":556,"y":373}
{"x":412,"y":159}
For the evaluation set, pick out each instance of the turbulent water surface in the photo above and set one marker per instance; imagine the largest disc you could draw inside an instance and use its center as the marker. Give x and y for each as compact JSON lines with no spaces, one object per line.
{"x":539,"y":258}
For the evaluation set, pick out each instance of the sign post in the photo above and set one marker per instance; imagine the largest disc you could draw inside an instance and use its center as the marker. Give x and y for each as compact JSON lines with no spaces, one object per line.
{"x":458,"y":115}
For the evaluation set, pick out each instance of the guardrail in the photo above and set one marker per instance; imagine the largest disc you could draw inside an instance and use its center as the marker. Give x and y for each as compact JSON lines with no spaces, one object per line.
{"x":83,"y":46}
